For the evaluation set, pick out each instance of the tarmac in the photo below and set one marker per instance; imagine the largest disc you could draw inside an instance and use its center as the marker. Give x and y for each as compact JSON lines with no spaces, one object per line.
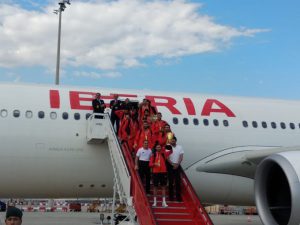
{"x":84,"y":218}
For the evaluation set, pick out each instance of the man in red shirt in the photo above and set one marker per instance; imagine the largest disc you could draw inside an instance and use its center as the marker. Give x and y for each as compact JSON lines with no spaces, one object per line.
{"x":165,"y":136}
{"x":143,"y":134}
{"x":157,"y":126}
{"x":125,"y":127}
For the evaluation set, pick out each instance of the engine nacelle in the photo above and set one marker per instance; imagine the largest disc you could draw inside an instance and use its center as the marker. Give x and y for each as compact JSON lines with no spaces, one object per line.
{"x":277,"y":189}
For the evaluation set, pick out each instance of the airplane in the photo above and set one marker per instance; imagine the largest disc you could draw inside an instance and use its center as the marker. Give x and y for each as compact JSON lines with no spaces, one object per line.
{"x":238,"y":150}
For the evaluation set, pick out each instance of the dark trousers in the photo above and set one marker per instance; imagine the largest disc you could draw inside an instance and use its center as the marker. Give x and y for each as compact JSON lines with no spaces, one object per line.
{"x":115,"y":120}
{"x":99,"y":111}
{"x":144,"y":172}
{"x":174,"y":177}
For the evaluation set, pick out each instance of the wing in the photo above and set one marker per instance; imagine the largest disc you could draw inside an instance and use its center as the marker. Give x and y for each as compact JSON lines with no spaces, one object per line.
{"x":240,"y":161}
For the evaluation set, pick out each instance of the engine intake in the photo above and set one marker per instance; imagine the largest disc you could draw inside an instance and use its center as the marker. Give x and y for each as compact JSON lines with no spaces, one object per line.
{"x":277,"y":189}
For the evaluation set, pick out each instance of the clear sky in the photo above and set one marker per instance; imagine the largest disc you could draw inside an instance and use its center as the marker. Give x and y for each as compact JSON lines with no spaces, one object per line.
{"x":232,"y":47}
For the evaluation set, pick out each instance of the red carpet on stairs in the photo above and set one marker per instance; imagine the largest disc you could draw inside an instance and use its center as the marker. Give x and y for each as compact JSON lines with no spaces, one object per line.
{"x":188,"y":212}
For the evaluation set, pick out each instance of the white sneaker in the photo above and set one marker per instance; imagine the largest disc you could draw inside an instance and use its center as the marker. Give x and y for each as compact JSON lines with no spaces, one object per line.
{"x":164,"y":204}
{"x":154,"y":202}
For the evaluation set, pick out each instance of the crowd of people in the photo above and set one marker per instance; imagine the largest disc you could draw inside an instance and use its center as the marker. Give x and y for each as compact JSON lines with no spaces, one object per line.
{"x":151,"y":141}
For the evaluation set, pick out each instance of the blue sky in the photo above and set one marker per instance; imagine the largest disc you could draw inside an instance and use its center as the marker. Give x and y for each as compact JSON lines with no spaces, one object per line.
{"x":233,"y":47}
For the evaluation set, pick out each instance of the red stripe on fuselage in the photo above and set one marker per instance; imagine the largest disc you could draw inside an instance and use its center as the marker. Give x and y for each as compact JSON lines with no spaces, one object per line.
{"x":54,"y":99}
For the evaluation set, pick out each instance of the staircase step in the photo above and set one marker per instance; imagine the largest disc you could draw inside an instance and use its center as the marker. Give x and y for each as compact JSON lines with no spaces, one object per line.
{"x":160,"y":197}
{"x":171,"y":215}
{"x":168,"y":209}
{"x":169,"y":203}
{"x":175,"y":222}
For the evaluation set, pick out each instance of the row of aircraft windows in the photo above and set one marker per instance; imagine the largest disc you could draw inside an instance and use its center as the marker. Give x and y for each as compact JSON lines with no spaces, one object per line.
{"x":245,"y":123}
{"x":196,"y":122}
{"x":206,"y":122}
{"x":274,"y":125}
{"x":41,"y":114}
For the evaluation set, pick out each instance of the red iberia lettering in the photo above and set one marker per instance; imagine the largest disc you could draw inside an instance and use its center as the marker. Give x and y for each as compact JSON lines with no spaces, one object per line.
{"x":164,"y":101}
{"x":77,"y":101}
{"x":189,"y":106}
{"x":210,"y":107}
{"x":54,"y":99}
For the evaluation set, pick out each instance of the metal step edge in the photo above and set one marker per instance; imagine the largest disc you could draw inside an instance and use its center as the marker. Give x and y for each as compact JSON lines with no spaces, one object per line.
{"x":175,"y":220}
{"x":169,"y":207}
{"x":171,"y":213}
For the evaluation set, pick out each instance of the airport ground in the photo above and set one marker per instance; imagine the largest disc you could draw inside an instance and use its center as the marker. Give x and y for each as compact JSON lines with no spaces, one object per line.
{"x":83,"y":218}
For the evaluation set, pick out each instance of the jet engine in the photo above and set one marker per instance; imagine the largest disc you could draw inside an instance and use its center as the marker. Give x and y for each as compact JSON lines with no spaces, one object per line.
{"x":277,"y":189}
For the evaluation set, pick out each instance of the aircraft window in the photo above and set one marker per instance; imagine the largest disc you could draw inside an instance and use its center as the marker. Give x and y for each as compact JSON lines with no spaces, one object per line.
{"x":77,"y":116}
{"x":254,"y":124}
{"x":185,"y":121}
{"x":4,"y":113}
{"x":41,"y":115}
{"x":216,"y":122}
{"x":206,"y":122}
{"x":175,"y":120}
{"x":53,"y":115}
{"x":28,"y":114}
{"x":282,"y":124}
{"x":225,"y":123}
{"x":245,"y":123}
{"x":264,"y":124}
{"x":16,"y":113}
{"x":196,"y":122}
{"x":65,"y":116}
{"x":292,"y":126}
{"x":87,"y":115}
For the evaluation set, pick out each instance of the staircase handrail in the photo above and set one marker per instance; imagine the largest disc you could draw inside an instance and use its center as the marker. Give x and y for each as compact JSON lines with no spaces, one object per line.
{"x":140,"y":200}
{"x":192,"y":199}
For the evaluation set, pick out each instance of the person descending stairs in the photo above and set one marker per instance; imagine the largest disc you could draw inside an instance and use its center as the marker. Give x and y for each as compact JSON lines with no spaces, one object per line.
{"x":158,"y":206}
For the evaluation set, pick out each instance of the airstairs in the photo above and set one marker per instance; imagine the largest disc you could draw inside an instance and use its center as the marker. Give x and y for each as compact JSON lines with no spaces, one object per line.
{"x":130,"y":190}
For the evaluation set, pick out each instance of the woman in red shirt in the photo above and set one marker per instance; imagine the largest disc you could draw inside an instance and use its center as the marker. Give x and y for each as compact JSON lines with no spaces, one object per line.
{"x":159,"y":172}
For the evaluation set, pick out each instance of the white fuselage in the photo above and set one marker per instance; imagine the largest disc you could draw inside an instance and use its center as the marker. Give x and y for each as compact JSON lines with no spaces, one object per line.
{"x":50,"y":157}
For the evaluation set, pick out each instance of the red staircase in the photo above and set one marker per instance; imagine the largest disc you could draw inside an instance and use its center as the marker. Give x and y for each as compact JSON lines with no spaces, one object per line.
{"x":188,"y":212}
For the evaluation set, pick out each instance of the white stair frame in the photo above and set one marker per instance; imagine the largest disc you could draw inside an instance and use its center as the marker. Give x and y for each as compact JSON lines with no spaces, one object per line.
{"x":99,"y":130}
